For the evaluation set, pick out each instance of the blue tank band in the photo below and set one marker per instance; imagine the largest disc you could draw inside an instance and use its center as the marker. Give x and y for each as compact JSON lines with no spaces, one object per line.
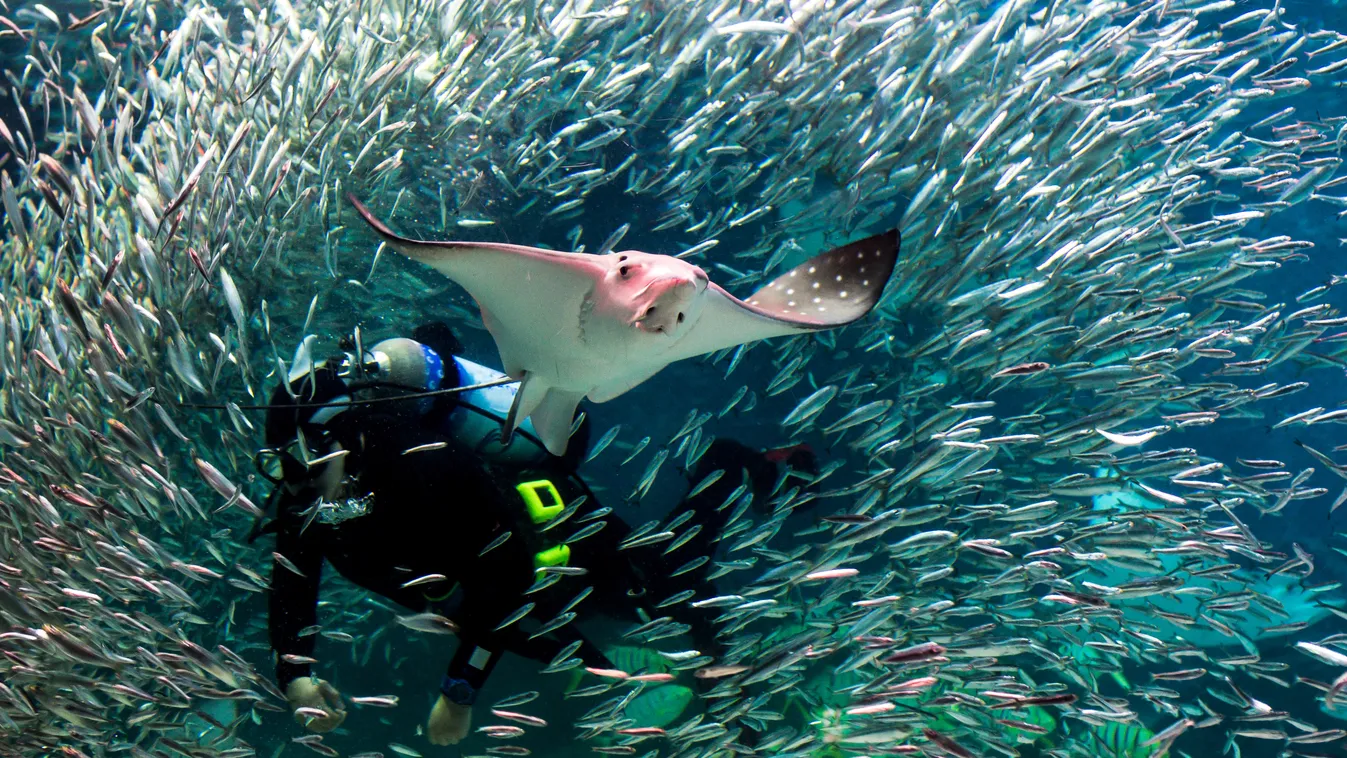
{"x":434,"y":368}
{"x":458,"y":691}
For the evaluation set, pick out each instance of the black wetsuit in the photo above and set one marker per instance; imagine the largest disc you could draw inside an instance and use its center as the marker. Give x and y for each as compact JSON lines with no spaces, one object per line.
{"x":433,"y":512}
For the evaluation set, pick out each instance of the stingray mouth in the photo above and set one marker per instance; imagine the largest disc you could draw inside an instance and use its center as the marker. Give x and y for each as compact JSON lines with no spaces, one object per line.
{"x":662,"y":305}
{"x":658,"y":319}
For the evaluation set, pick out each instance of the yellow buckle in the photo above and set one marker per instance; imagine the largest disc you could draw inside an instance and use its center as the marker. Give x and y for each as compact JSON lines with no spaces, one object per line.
{"x":553,"y":556}
{"x":541,"y":499}
{"x":543,"y":503}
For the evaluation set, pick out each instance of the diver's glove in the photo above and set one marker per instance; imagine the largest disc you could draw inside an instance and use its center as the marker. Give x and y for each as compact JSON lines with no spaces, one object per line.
{"x":449,"y":722}
{"x":316,"y":704}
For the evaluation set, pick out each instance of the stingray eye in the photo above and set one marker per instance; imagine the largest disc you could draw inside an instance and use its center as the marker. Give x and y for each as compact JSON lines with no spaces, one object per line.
{"x":623,"y":271}
{"x":680,"y":318}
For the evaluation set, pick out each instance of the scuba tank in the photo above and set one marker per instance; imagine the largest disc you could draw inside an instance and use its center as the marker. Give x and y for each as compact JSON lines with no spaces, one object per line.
{"x":475,"y":421}
{"x":477,"y":416}
{"x":388,"y":369}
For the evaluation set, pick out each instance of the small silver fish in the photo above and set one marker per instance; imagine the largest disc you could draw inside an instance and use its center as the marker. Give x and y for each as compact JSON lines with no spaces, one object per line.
{"x":427,"y":579}
{"x":636,"y":451}
{"x":428,"y":622}
{"x":495,"y":543}
{"x":518,"y":614}
{"x":379,"y":701}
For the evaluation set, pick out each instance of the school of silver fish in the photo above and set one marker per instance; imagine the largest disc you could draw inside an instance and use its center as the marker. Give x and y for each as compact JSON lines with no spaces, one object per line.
{"x":1008,"y":513}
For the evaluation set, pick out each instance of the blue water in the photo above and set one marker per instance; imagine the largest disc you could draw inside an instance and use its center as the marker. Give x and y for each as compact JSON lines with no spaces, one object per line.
{"x":409,"y":665}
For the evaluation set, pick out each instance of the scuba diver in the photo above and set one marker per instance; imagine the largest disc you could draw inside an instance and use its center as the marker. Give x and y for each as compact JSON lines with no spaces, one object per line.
{"x":419,"y":500}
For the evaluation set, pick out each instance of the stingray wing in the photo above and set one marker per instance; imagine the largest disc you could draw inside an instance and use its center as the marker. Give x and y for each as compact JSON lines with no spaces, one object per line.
{"x":827,"y":291}
{"x":530,"y":297}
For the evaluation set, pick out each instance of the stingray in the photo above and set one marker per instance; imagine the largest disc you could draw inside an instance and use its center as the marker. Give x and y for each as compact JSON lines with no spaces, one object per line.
{"x":576,"y":325}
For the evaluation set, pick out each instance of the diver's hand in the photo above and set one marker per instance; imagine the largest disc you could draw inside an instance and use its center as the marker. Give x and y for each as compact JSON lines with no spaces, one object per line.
{"x":449,"y":722}
{"x":317,"y":706}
